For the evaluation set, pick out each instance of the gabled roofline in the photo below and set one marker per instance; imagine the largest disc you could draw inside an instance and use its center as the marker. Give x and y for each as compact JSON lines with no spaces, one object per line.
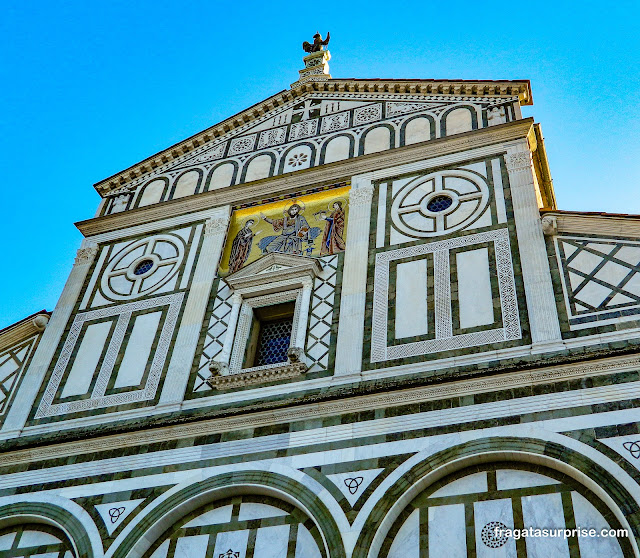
{"x":23,"y":329}
{"x":498,"y":88}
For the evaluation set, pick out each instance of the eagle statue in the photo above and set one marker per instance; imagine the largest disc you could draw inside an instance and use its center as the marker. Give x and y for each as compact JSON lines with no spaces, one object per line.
{"x":317,"y":44}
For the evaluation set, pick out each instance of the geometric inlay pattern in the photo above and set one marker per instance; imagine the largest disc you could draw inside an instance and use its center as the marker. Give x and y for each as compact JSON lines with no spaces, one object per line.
{"x":241,"y":527}
{"x":11,"y":368}
{"x":445,"y":338}
{"x":34,"y":541}
{"x":321,"y":315}
{"x":600,"y":278}
{"x":214,"y":337}
{"x":142,"y":267}
{"x":414,"y":214}
{"x":122,"y":314}
{"x":355,"y":483}
{"x":474,"y":513}
{"x":114,"y":513}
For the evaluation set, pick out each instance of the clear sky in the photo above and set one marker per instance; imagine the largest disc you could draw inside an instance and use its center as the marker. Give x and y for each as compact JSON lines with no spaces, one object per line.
{"x":89,"y":88}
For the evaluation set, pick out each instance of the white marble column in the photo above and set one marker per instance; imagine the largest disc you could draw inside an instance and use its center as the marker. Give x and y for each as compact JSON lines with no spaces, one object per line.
{"x":34,"y":375}
{"x":303,"y":318}
{"x":354,"y":278}
{"x":190,"y":325}
{"x":229,"y":336}
{"x":541,"y":304}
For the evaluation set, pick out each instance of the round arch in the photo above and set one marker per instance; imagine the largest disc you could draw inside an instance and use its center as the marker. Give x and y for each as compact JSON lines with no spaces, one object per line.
{"x":61,"y":514}
{"x":423,"y":116}
{"x":549,"y":454}
{"x":267,"y":483}
{"x":363,"y":137}
{"x":303,"y":144}
{"x":473,"y":113}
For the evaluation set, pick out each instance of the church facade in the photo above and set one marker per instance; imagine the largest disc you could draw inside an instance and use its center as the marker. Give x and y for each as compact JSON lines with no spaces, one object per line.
{"x":349,"y":321}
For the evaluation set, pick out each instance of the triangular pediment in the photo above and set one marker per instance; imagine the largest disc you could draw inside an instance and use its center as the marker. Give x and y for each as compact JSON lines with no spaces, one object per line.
{"x":274,"y":267}
{"x":269,"y":123}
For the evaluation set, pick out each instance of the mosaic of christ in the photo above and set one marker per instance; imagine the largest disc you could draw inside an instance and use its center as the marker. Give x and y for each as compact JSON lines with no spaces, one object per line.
{"x":313,"y":225}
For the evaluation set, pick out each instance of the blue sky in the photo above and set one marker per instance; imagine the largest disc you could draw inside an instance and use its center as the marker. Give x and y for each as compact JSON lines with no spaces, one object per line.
{"x":91,"y":88}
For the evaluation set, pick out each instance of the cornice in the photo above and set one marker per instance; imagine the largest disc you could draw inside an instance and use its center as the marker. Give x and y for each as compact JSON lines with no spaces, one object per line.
{"x":23,"y":329}
{"x":595,"y":223}
{"x":464,"y":88}
{"x":309,"y":178}
{"x":487,"y":384}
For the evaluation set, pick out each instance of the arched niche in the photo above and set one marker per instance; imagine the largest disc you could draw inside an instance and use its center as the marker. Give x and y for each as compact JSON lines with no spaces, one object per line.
{"x":222,"y":176}
{"x":337,"y":148}
{"x":259,"y":167}
{"x":245,"y":524}
{"x":458,"y":120}
{"x":152,"y":192}
{"x":269,"y":499}
{"x":187,"y":184}
{"x":50,"y":523}
{"x":417,"y":129}
{"x":469,"y":512}
{"x":34,"y":539}
{"x":298,"y":157}
{"x":461,"y":471}
{"x":376,"y":139}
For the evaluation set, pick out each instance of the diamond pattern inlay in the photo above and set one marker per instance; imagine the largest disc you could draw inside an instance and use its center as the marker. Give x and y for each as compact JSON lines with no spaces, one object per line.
{"x":600,"y":275}
{"x":214,"y":338}
{"x":321,"y":315}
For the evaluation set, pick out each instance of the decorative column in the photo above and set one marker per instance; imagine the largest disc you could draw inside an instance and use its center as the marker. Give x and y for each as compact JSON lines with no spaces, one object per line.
{"x":229,"y":336}
{"x":541,"y":304}
{"x":303,"y":318}
{"x":34,"y":376}
{"x":354,"y":278}
{"x":215,"y":231}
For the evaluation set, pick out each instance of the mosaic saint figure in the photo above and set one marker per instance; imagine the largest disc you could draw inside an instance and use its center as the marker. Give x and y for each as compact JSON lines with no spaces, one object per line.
{"x":295,"y":233}
{"x":241,"y":247}
{"x":333,"y":237}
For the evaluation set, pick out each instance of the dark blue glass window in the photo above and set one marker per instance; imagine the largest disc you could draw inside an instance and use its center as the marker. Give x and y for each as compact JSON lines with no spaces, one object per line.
{"x":143,"y":267}
{"x":273,"y":342}
{"x":439,"y":203}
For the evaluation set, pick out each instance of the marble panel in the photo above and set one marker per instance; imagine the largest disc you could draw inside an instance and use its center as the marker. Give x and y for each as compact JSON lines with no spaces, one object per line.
{"x":406,"y":543}
{"x":588,"y":517}
{"x":447,"y":531}
{"x":136,"y":355}
{"x":212,"y":517}
{"x":272,"y":542}
{"x":476,"y":482}
{"x":192,"y":547}
{"x":306,"y":546}
{"x":86,"y":361}
{"x":411,"y":299}
{"x":543,"y":511}
{"x":236,"y":541}
{"x":487,"y":512}
{"x":474,"y":288}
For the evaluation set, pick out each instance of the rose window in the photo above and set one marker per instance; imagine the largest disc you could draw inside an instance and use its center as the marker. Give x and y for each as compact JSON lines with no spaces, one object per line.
{"x":142,"y":267}
{"x":439,"y":203}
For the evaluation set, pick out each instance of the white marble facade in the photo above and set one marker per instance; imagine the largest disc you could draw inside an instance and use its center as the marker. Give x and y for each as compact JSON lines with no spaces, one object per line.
{"x":457,"y":370}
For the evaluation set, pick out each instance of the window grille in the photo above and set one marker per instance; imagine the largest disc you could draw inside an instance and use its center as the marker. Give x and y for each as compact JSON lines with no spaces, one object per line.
{"x":273,"y":342}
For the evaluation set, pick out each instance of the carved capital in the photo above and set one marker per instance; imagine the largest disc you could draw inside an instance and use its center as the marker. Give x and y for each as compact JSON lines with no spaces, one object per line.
{"x":361,"y":196}
{"x":86,"y":254}
{"x":215,"y":226}
{"x":549,"y":225}
{"x":295,"y":354}
{"x":217,"y":369}
{"x":518,"y":161}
